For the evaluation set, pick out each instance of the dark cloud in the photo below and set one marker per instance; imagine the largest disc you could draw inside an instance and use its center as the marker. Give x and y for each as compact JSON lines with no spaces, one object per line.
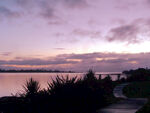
{"x":126,"y":5}
{"x":146,"y":3}
{"x":54,"y":3}
{"x":48,"y":13}
{"x":5,"y":54}
{"x":48,"y":8}
{"x":82,"y":62}
{"x":36,"y":62}
{"x":59,"y":48}
{"x":124,"y":33}
{"x":82,"y":56}
{"x":75,"y":3}
{"x":86,"y":33}
{"x":45,"y":8}
{"x":24,"y":2}
{"x":130,"y":32}
{"x":8,"y":13}
{"x":110,"y":61}
{"x":56,"y":22}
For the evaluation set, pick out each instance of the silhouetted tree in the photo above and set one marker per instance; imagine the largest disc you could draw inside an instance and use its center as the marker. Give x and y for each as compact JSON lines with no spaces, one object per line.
{"x":31,"y":87}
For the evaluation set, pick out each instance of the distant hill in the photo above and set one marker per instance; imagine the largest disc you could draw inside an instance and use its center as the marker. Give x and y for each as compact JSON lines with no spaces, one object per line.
{"x":34,"y":71}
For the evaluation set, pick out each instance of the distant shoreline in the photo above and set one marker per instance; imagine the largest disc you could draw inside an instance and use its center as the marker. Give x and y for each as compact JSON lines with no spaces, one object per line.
{"x":38,"y":72}
{"x":35,"y":71}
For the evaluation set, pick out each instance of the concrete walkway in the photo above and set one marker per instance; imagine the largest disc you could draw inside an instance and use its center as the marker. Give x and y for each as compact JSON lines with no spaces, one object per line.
{"x":126,"y":105}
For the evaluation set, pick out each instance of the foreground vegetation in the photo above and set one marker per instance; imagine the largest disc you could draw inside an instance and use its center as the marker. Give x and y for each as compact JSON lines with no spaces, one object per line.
{"x":33,"y":71}
{"x":140,"y":74}
{"x":139,"y":87}
{"x":72,"y":95}
{"x":146,"y":108}
{"x":139,"y":90}
{"x":63,"y":95}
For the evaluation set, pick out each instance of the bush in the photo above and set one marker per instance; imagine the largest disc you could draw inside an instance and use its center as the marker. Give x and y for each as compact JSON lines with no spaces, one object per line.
{"x":31,"y":87}
{"x":146,"y":108}
{"x":140,"y":74}
{"x":64,"y":95}
{"x":75,"y":96}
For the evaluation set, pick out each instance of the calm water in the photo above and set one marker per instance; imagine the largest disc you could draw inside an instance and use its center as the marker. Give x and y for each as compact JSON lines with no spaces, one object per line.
{"x":11,"y":83}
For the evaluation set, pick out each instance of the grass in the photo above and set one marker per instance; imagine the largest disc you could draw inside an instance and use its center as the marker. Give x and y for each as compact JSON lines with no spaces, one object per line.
{"x":139,"y":90}
{"x":146,"y":108}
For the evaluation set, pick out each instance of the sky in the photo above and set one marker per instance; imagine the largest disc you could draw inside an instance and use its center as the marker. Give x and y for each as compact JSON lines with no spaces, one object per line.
{"x":77,"y":35}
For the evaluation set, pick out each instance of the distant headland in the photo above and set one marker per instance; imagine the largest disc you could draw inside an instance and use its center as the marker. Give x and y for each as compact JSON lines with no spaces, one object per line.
{"x":34,"y":71}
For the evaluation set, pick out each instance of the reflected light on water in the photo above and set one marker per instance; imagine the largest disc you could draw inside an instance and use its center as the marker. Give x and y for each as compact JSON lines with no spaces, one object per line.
{"x":12,"y":83}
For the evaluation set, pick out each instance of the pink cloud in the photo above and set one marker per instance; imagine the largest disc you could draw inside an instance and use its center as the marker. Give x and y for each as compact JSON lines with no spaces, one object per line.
{"x":83,"y":62}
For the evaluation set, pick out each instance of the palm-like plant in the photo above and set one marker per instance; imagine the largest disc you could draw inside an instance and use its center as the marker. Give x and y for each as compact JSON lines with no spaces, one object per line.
{"x":90,"y":75}
{"x":31,"y":87}
{"x":60,"y":83}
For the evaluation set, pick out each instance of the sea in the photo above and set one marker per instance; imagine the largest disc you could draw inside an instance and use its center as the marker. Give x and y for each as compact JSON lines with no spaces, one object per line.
{"x":12,"y":83}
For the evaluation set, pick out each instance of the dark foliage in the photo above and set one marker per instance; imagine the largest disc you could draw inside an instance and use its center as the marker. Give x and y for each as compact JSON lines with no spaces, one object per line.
{"x":140,"y":74}
{"x":63,"y":95}
{"x":31,"y":88}
{"x":146,"y":108}
{"x":34,"y":71}
{"x":139,"y":90}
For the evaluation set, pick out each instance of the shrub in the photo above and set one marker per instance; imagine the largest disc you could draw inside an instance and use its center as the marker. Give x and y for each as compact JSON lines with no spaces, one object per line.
{"x":140,"y":74}
{"x":77,"y":96}
{"x":31,"y":87}
{"x":64,"y":95}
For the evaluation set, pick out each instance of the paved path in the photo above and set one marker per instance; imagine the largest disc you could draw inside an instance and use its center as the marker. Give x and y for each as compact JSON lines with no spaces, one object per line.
{"x":127,"y":105}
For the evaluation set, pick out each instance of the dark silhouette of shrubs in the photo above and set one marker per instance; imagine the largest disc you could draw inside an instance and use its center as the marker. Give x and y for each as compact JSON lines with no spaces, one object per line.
{"x":31,"y":87}
{"x":90,"y":75}
{"x":63,"y":95}
{"x":77,"y":96}
{"x":140,"y":74}
{"x":107,"y":84}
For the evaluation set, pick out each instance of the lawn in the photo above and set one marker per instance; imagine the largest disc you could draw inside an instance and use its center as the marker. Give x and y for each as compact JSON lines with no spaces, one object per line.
{"x":139,"y":90}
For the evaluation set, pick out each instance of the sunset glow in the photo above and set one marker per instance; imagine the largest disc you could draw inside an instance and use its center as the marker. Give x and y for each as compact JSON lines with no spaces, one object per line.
{"x":106,"y":35}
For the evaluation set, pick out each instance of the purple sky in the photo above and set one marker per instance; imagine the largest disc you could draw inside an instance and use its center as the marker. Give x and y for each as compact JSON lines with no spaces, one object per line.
{"x":105,"y":35}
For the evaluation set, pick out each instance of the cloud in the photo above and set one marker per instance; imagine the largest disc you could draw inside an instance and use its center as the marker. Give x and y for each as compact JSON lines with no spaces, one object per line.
{"x":24,"y":2}
{"x":8,"y":13}
{"x":75,"y":3}
{"x":56,"y":22}
{"x":146,"y":3}
{"x":134,"y":32}
{"x":5,"y":54}
{"x":124,"y":33}
{"x":48,"y":8}
{"x":82,"y":56}
{"x":127,"y":4}
{"x":48,"y":13}
{"x":86,"y":33}
{"x":83,"y":62}
{"x":109,"y":61}
{"x":36,"y":62}
{"x":53,"y":3}
{"x":59,"y":48}
{"x":45,"y":8}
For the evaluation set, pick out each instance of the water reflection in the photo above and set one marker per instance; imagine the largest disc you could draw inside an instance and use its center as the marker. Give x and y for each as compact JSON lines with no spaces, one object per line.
{"x":11,"y":83}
